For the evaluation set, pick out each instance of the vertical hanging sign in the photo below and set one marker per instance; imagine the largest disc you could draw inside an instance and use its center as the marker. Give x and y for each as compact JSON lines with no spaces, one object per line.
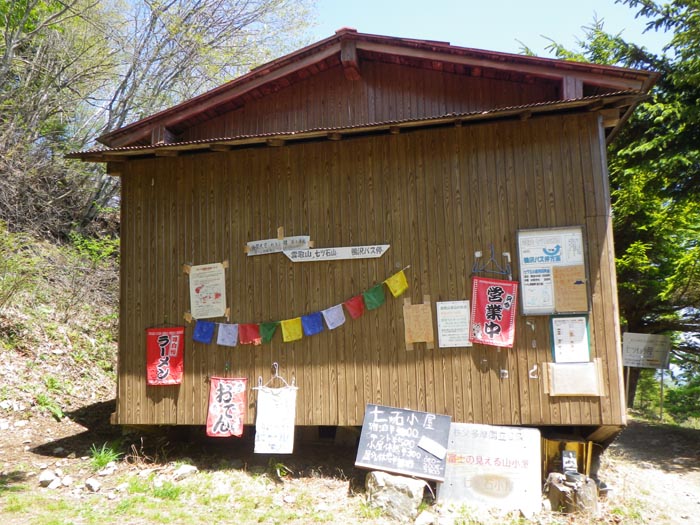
{"x":274,"y":421}
{"x":493,"y":311}
{"x":227,"y":407}
{"x":164,"y":352}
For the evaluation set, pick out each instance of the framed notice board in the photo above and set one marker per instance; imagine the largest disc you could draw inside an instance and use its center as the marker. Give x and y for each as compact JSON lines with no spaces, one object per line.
{"x":404,"y":442}
{"x":553,"y":275}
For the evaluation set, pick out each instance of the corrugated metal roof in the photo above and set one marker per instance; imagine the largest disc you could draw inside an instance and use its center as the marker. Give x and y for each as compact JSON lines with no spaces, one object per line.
{"x":629,"y":97}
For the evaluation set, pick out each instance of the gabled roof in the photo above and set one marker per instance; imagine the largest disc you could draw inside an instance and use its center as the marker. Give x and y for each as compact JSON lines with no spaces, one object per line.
{"x":349,"y":48}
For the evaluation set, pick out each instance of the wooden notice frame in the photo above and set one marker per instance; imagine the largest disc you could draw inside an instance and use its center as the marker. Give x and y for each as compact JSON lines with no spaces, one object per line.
{"x":553,"y":273}
{"x":574,"y":379}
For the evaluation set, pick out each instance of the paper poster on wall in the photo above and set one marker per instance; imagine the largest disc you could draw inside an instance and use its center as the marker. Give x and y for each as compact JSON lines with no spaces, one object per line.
{"x":207,"y":291}
{"x":165,"y":348}
{"x":418,"y":323}
{"x":274,"y":420}
{"x":493,"y":311}
{"x":570,"y":339}
{"x":552,"y":271}
{"x":453,"y":324}
{"x":493,"y":467}
{"x":227,"y":406}
{"x":570,"y":288}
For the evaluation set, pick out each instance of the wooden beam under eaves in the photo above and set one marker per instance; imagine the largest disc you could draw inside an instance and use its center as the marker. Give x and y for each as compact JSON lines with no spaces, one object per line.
{"x":335,"y":136}
{"x":220,"y":147}
{"x":275,"y":143}
{"x":611,"y":117}
{"x":166,"y":153}
{"x":349,"y":59}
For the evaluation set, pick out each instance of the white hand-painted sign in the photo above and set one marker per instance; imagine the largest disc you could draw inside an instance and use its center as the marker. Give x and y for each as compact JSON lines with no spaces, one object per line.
{"x":277,"y":245}
{"x":332,"y":254}
{"x":646,"y":350}
{"x":492,"y":467}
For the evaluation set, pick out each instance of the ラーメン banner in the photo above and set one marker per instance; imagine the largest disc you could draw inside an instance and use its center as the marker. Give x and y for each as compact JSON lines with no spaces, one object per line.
{"x":164,"y":353}
{"x":493,"y":311}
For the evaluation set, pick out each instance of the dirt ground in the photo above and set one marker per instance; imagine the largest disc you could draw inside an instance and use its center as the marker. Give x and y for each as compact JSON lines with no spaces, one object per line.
{"x":658,"y":465}
{"x":653,"y":471}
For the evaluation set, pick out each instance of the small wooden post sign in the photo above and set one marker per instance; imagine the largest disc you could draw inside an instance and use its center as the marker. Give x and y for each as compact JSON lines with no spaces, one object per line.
{"x":404,"y":441}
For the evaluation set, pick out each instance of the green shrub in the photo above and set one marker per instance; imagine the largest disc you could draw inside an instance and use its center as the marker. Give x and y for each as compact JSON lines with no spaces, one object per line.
{"x":18,"y":266}
{"x":95,"y":249}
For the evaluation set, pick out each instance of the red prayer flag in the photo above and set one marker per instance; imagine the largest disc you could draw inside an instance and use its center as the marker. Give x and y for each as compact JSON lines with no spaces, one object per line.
{"x":249,"y":334}
{"x":355,"y":306}
{"x":493,"y":311}
{"x":227,"y":406}
{"x":164,"y":352}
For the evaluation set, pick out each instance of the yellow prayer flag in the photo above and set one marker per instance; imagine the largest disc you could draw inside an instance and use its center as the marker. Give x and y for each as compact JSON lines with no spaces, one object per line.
{"x":397,"y":283}
{"x":291,"y":329}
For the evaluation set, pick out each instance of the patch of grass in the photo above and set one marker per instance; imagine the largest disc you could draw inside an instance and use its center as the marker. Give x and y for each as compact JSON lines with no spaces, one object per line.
{"x":628,"y":512}
{"x":14,"y":503}
{"x":101,"y":457}
{"x":168,"y":490}
{"x":52,"y":384}
{"x":137,"y":485}
{"x":369,"y":511}
{"x":45,"y":402}
{"x":11,"y":481}
{"x":131,"y":505}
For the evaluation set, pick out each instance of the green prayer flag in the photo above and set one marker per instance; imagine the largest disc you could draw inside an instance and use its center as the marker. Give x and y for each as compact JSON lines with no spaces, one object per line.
{"x":267,"y":330}
{"x":374,"y":297}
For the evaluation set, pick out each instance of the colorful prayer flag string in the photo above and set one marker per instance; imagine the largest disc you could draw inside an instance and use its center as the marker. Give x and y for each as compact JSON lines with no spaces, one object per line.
{"x":295,"y":328}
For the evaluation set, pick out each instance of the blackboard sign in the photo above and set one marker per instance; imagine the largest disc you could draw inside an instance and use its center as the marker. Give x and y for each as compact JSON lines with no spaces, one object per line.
{"x":404,"y":441}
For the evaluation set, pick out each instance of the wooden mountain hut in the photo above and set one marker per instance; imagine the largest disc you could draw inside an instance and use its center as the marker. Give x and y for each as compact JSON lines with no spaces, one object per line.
{"x":446,"y":163}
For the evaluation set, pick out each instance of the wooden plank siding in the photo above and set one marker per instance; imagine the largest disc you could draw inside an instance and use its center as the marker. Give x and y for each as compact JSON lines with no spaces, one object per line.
{"x":387,"y":92}
{"x":436,"y":196}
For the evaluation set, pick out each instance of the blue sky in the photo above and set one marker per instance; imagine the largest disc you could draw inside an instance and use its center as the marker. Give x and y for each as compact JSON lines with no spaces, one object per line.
{"x":495,"y":25}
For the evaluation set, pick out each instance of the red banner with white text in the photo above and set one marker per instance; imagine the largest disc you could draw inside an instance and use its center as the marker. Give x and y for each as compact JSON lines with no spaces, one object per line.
{"x":493,"y":311}
{"x":164,"y":354}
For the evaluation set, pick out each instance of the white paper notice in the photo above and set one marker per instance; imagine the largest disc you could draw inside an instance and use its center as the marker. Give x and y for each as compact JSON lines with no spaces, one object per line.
{"x":570,"y":339}
{"x":207,"y":291}
{"x":453,"y":324}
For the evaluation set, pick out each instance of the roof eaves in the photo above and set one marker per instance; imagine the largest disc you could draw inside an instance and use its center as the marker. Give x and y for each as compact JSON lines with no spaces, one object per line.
{"x":621,"y":98}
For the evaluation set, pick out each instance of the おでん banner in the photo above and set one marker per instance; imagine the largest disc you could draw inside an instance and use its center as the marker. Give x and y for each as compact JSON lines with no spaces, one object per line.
{"x":227,"y":406}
